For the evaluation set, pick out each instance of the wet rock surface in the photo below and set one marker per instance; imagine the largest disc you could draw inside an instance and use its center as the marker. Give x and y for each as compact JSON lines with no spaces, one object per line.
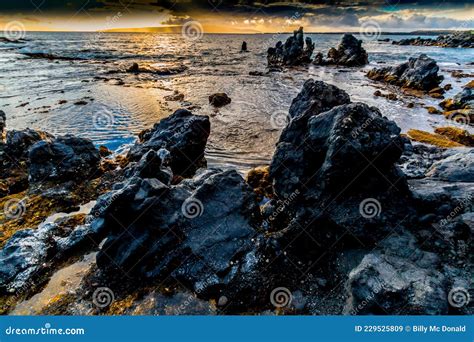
{"x":463,"y":39}
{"x":183,"y":135}
{"x":219,"y":100}
{"x":198,"y":231}
{"x":349,"y":218}
{"x":296,"y":50}
{"x":62,"y":159}
{"x":349,"y":53}
{"x":419,"y":73}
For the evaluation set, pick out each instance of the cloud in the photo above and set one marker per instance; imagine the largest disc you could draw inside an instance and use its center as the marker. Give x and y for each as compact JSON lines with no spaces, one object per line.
{"x":176,"y":20}
{"x":259,"y":15}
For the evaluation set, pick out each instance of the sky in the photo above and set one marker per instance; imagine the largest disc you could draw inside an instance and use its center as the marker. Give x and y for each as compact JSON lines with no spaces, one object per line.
{"x":236,"y":16}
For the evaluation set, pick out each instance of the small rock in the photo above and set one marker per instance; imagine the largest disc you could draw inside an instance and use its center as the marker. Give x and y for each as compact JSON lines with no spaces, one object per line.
{"x":219,"y":100}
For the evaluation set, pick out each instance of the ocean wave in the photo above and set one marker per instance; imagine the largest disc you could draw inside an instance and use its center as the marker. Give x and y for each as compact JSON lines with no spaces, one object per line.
{"x":45,"y":54}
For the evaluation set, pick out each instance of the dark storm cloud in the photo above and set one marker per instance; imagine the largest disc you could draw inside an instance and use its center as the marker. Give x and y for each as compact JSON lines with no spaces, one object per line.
{"x":180,"y":6}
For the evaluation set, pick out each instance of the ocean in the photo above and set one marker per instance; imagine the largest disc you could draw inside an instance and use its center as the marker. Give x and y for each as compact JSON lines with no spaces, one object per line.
{"x":75,"y":87}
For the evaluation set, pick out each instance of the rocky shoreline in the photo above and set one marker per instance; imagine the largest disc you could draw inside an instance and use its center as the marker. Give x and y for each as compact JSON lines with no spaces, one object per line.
{"x":462,"y":39}
{"x":350,"y":217}
{"x":344,"y":187}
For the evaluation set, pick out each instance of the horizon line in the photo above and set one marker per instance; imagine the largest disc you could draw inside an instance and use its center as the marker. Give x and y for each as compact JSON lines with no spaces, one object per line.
{"x":246,"y":33}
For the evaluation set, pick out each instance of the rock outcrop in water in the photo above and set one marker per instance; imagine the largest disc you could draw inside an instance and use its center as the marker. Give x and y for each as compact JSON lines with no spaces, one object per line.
{"x":135,"y":68}
{"x":349,"y":53}
{"x":183,"y":135}
{"x":418,"y":73}
{"x":295,"y":51}
{"x":219,"y":100}
{"x":14,"y":159}
{"x":63,"y":159}
{"x":462,"y":39}
{"x":461,"y":107}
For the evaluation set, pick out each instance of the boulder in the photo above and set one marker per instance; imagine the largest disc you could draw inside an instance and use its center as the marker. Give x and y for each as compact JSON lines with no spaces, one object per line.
{"x":462,"y":100}
{"x":335,"y":173}
{"x":349,"y":53}
{"x":315,"y":97}
{"x":219,"y":100}
{"x":327,"y":142}
{"x":63,"y":159}
{"x":24,"y":255}
{"x":19,"y":142}
{"x":418,"y":73}
{"x":198,"y":231}
{"x":458,"y":167}
{"x":387,"y":284}
{"x":183,"y":134}
{"x":14,"y":158}
{"x":295,"y":51}
{"x":30,"y":253}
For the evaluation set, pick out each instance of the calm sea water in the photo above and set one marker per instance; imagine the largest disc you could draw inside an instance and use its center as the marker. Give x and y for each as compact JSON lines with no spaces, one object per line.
{"x":34,"y":90}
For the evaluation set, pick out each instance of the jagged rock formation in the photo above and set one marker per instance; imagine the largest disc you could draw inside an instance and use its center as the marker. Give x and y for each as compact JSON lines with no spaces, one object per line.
{"x":293,"y":52}
{"x":350,"y":210}
{"x":183,"y":135}
{"x":418,"y":73}
{"x":63,"y":159}
{"x":349,"y":53}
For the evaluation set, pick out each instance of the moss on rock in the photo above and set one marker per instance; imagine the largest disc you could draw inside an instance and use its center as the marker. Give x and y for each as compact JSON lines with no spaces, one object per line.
{"x":432,"y":139}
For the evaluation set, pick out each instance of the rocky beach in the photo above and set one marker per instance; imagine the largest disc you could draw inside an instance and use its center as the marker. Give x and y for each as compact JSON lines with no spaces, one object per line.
{"x":325,"y":177}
